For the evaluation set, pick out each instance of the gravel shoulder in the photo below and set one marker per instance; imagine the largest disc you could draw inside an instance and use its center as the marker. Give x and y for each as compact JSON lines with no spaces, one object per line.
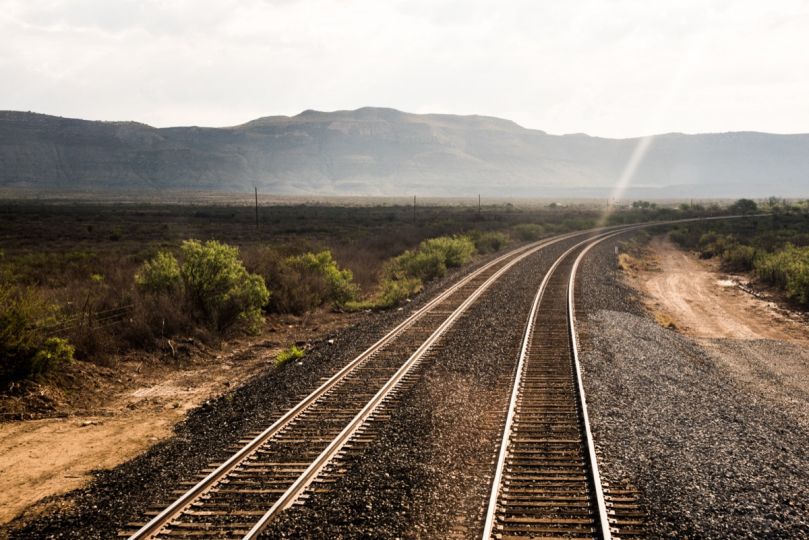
{"x":711,"y":431}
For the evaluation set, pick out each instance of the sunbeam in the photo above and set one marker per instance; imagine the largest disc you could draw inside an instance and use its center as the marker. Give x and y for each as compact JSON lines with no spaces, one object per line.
{"x":655,"y":121}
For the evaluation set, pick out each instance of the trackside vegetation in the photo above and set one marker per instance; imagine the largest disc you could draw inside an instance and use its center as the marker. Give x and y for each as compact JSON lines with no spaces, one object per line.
{"x":93,"y":282}
{"x":26,"y":349}
{"x":775,"y":249}
{"x":211,"y":281}
{"x":286,"y":355}
{"x":404,"y":275}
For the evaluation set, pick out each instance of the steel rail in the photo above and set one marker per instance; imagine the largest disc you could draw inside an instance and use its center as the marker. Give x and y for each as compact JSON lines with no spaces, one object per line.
{"x":306,"y":478}
{"x":491,"y":509}
{"x":154,"y":526}
{"x":595,"y":479}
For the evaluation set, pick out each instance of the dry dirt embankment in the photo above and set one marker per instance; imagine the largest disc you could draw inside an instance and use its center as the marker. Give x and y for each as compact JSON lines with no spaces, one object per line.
{"x":127,"y":415}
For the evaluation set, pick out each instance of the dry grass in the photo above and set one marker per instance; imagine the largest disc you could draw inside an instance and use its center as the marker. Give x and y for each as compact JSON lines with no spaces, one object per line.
{"x":628,"y":263}
{"x":665,"y":320}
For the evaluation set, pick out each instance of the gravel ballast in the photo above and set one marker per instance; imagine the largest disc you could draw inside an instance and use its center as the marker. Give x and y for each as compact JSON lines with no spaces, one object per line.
{"x":712,"y":454}
{"x":426,"y":474}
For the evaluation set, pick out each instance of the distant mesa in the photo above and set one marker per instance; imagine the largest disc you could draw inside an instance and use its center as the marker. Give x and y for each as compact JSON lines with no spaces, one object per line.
{"x":381,"y":151}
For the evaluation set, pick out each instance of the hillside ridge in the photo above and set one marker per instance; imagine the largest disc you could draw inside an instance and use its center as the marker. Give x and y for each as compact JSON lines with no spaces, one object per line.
{"x":384,"y":151}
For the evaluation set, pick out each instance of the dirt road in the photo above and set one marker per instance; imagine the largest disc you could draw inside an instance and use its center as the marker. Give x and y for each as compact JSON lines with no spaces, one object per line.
{"x":705,"y":303}
{"x":758,"y":344}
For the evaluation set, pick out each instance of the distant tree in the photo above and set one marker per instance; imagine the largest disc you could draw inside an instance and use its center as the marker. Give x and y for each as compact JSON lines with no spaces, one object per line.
{"x":744,"y":206}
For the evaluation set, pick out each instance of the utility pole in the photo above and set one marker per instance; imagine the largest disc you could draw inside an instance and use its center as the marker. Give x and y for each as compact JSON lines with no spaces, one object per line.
{"x":479,"y":204}
{"x":256,"y":190}
{"x":414,"y":209}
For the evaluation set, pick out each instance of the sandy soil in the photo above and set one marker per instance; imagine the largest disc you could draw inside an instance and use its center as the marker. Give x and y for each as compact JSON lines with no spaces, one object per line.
{"x":705,"y":303}
{"x":44,"y":457}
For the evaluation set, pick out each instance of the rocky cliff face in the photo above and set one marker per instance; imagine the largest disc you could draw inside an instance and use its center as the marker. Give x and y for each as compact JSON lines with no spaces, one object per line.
{"x":386,"y":152}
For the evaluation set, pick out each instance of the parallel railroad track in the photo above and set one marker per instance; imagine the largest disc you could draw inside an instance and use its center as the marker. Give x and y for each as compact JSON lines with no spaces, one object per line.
{"x":273,"y":469}
{"x":546,"y":480}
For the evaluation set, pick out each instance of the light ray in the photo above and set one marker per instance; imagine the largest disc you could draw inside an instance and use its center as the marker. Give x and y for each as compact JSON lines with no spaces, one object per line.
{"x":645,"y":143}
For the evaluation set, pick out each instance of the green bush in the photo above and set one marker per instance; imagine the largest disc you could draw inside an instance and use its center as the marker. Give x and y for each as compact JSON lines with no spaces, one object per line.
{"x":424,"y":266}
{"x":303,"y":282}
{"x":743,"y":206}
{"x":490,"y":242}
{"x":336,"y":284}
{"x":160,"y":274}
{"x":293,"y":353}
{"x":454,"y":250}
{"x":54,"y":351}
{"x":787,"y":269}
{"x":25,"y":349}
{"x":712,"y":244}
{"x":395,"y":291}
{"x":739,"y":258}
{"x":528,"y":232}
{"x":217,"y":285}
{"x":404,"y":275}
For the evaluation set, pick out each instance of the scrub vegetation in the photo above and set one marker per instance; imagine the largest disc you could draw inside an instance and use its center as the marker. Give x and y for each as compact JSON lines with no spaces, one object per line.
{"x":88,"y":282}
{"x":775,"y":249}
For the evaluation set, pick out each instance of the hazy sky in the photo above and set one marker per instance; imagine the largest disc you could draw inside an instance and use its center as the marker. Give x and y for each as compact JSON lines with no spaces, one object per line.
{"x":611,"y":68}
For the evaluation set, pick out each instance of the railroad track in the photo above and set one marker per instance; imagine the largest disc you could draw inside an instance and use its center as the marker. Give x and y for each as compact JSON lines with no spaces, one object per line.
{"x":547,"y":435}
{"x":274,"y":468}
{"x":546,"y":481}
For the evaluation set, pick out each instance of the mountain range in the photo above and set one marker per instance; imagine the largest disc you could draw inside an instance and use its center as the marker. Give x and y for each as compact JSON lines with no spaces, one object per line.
{"x":378,"y":151}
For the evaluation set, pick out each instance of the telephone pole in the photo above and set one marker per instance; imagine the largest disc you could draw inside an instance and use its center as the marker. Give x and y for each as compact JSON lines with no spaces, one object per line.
{"x":414,"y":209}
{"x":256,"y":190}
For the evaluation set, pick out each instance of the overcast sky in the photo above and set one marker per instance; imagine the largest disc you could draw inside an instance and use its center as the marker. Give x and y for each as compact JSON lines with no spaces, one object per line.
{"x":610,"y":68}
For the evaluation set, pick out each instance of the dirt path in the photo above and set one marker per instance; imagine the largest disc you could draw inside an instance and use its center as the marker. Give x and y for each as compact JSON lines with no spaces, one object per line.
{"x":702,"y":302}
{"x":761,"y":346}
{"x":39,"y":458}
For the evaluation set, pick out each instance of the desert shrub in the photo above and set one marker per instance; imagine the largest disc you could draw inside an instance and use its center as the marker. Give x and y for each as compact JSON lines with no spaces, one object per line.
{"x":336,"y":284}
{"x":454,"y":250}
{"x":394,"y":291}
{"x":404,"y":275}
{"x":528,"y":232}
{"x":712,"y":244}
{"x":218,"y":286}
{"x":787,"y":269}
{"x":285,"y":355}
{"x":490,"y":242}
{"x":627,"y":262}
{"x":25,"y":349}
{"x":54,"y":351}
{"x":391,"y":292}
{"x":160,"y":274}
{"x":743,"y":206}
{"x":303,"y":282}
{"x":687,"y":236}
{"x":422,"y":265}
{"x":739,"y":258}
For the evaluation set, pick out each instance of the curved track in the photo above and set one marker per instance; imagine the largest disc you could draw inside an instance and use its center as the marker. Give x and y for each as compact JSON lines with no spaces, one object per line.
{"x":273,"y":469}
{"x":546,"y":481}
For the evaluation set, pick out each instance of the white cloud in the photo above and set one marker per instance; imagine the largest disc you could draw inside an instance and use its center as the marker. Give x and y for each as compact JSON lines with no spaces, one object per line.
{"x":613,"y":68}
